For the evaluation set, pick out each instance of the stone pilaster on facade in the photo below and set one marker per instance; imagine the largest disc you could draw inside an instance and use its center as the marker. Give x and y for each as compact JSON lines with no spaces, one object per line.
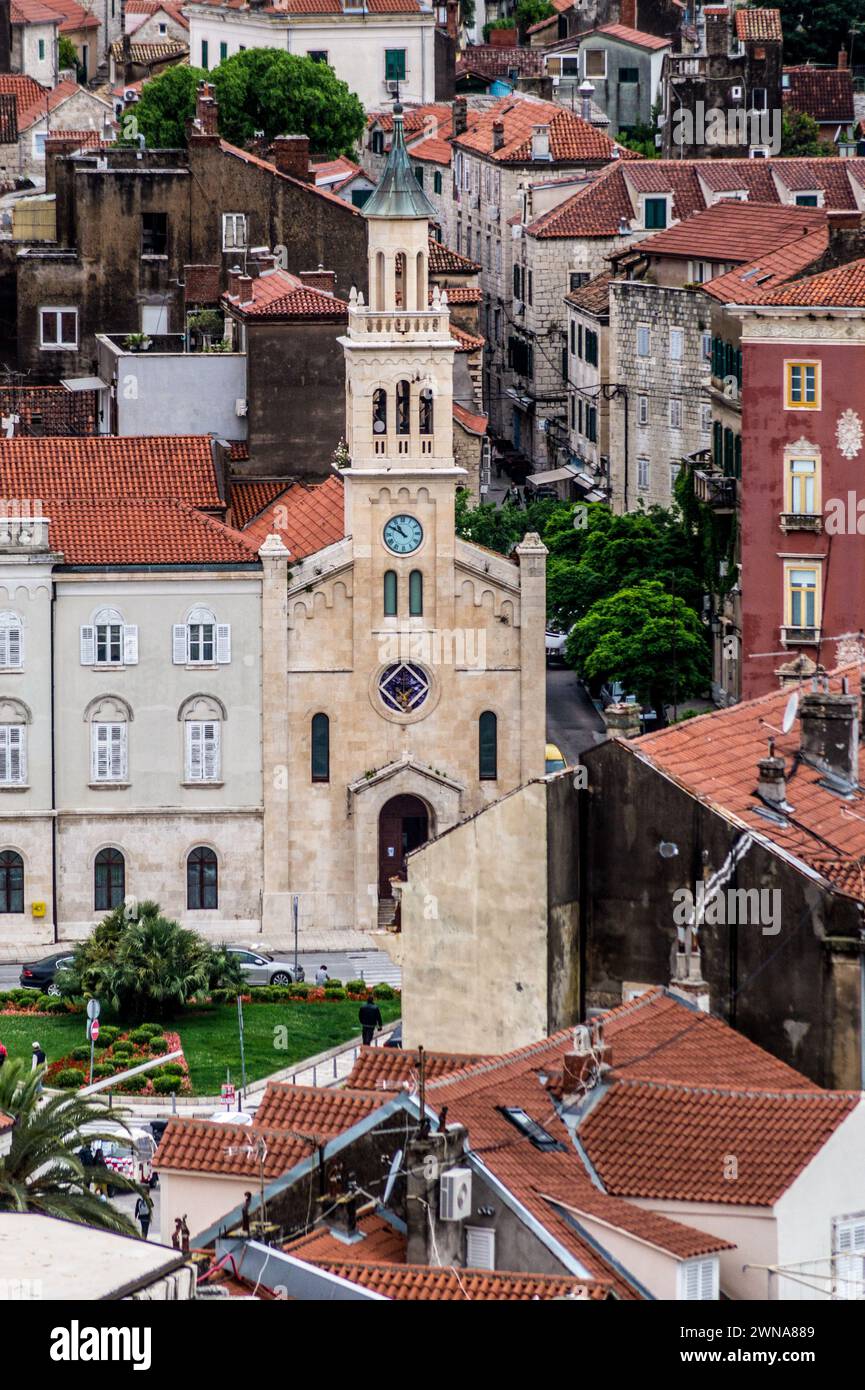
{"x":532,"y":554}
{"x":276,"y":904}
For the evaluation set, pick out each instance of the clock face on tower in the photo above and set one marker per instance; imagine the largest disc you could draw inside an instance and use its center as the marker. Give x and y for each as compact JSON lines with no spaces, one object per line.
{"x":403,"y":534}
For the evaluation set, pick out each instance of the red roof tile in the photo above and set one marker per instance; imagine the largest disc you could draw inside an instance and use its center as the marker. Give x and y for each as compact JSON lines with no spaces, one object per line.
{"x":842,"y":287}
{"x":392,"y":1068}
{"x":468,"y":342}
{"x":462,"y":294}
{"x":141,"y":531}
{"x":279,"y":295}
{"x":151,"y":466}
{"x":734,"y":231}
{"x":470,"y":420}
{"x":271,"y":168}
{"x":433,"y":151}
{"x":442,"y":260}
{"x":74,"y":16}
{"x":33,"y":12}
{"x":715,"y":757}
{"x":425,"y":1283}
{"x":759,"y":26}
{"x":572,"y":140}
{"x":490,"y":60}
{"x":249,"y":496}
{"x":755,"y":282}
{"x":151,"y":7}
{"x":825,"y":94}
{"x":381,"y":1242}
{"x":634,"y":36}
{"x":307,"y":517}
{"x":594,"y":296}
{"x":312,"y":1110}
{"x":596,"y":210}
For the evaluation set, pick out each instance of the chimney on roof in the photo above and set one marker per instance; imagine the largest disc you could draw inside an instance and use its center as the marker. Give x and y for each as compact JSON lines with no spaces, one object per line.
{"x":460,"y":116}
{"x":498,"y":134}
{"x":290,"y":154}
{"x":842,"y":59}
{"x":234,"y":275}
{"x":623,"y":720}
{"x":341,"y":1209}
{"x":432,"y":1239}
{"x":206,"y":111}
{"x":687,"y":981}
{"x":772,"y":779}
{"x":587,"y":91}
{"x":244,"y":289}
{"x":541,"y":142}
{"x":584,"y":1067}
{"x":320,"y":279}
{"x":829,"y":739}
{"x":717,"y":33}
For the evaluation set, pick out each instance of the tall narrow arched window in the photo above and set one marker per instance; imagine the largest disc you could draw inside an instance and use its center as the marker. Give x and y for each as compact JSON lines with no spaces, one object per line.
{"x":399,"y":280}
{"x":426,"y":410}
{"x":11,"y":881}
{"x":379,"y":281}
{"x":415,"y":594}
{"x":320,"y":758}
{"x":202,"y":879}
{"x":390,"y":601}
{"x":379,"y":411}
{"x":109,"y":880}
{"x":421,"y":282}
{"x":403,"y":407}
{"x":488,"y":751}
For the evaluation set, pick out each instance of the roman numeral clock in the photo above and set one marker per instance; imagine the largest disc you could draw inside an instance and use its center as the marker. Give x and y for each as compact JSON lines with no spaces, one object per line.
{"x":403,"y":534}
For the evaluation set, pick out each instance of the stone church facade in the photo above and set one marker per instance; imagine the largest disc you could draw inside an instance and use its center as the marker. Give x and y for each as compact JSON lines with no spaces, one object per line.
{"x":412,"y":660}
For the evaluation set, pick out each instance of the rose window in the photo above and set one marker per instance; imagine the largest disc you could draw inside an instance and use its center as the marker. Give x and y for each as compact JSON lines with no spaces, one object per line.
{"x":403,"y":687}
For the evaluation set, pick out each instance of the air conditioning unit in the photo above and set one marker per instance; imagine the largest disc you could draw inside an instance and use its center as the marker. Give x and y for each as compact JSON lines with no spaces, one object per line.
{"x":393,"y":88}
{"x":455,"y":1194}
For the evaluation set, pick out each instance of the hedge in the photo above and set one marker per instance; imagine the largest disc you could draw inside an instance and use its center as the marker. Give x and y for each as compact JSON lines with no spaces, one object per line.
{"x":356,"y":986}
{"x":335,"y":994}
{"x":158,"y":1046}
{"x":383,"y":992}
{"x":69,"y":1077}
{"x":166,"y":1085}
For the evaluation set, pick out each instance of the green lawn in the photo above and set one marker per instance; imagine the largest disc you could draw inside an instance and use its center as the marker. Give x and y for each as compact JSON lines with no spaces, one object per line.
{"x":209,"y":1036}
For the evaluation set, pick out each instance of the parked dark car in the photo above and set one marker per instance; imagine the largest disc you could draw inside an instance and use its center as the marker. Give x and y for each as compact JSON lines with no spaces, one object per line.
{"x":39,"y":974}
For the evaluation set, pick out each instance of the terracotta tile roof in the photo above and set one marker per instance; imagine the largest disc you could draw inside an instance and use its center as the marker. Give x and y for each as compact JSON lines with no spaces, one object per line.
{"x":649,"y":1140}
{"x":335,"y":170}
{"x":435,"y":117}
{"x":84,"y":139}
{"x":425,"y":1283}
{"x":759,"y":26}
{"x":468,"y":342}
{"x":683,"y":1241}
{"x":734,"y":232}
{"x":844,"y":287}
{"x":33,"y":12}
{"x":313,"y":1110}
{"x":74,"y":16}
{"x":390,"y":1068}
{"x":594,"y":296}
{"x":178,"y":466}
{"x":271,"y":168}
{"x":826,"y":94}
{"x":239,"y":451}
{"x":50,"y":101}
{"x":141,"y":531}
{"x":572,"y":140}
{"x":470,"y":420}
{"x":393,"y":6}
{"x":489,"y":61}
{"x":280,"y":295}
{"x":27,"y":92}
{"x":147,"y":53}
{"x":60,"y":412}
{"x":715,"y":757}
{"x":310,"y":516}
{"x":435,"y":150}
{"x":151,"y":7}
{"x":249,"y":496}
{"x":381,"y":1242}
{"x":754,"y":282}
{"x":8,"y":119}
{"x":201,"y":1146}
{"x":596,"y":210}
{"x":634,"y":36}
{"x":442,"y":260}
{"x":462,"y":294}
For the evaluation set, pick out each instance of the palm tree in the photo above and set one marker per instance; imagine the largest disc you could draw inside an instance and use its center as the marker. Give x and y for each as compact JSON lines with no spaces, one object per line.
{"x":42,"y":1171}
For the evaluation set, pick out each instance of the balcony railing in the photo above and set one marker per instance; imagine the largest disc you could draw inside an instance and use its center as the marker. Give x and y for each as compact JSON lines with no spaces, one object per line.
{"x":801,"y":521}
{"x":800,"y":636}
{"x":24,"y":532}
{"x":715,"y":490}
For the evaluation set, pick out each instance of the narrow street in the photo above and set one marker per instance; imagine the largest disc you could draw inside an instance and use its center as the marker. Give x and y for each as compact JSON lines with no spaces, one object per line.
{"x":573,"y":723}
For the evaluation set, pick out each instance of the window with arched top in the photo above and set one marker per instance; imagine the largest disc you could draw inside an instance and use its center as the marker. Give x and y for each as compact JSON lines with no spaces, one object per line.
{"x":420,"y":272}
{"x":11,"y":642}
{"x":320,"y":748}
{"x":108,"y":641}
{"x":14,"y":718}
{"x":426,"y":410}
{"x":379,"y":281}
{"x":415,"y":594}
{"x":202,"y":879}
{"x":109,"y":880}
{"x":11,"y":881}
{"x":201,"y":640}
{"x":390,"y":594}
{"x":403,"y":407}
{"x":379,"y":411}
{"x":109,"y":718}
{"x":399,"y":279}
{"x":488,"y":747}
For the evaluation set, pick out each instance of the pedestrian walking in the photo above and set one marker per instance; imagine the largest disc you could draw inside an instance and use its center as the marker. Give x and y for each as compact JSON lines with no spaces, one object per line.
{"x":38,"y":1061}
{"x":370,"y":1018}
{"x":142,"y":1216}
{"x":321,"y":975}
{"x":175,"y":1234}
{"x":244,"y":1213}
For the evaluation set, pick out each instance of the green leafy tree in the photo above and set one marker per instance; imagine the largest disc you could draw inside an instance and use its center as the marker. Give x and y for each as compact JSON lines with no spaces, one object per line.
{"x":147,"y":967}
{"x":67,"y":53}
{"x":816,"y":33}
{"x":166,"y":103}
{"x":282,"y":94}
{"x":529,"y":12}
{"x":501,"y":528}
{"x":800,"y":135}
{"x":42,"y":1171}
{"x":649,"y":640}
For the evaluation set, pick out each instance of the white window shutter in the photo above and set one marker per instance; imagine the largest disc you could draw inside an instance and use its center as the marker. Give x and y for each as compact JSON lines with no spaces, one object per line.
{"x":480,"y":1248}
{"x":707,"y":1281}
{"x":18,"y":750}
{"x":15,"y":646}
{"x":194,"y":761}
{"x":118,"y":752}
{"x":99,"y":745}
{"x":211,"y":751}
{"x":130,"y":644}
{"x":5,"y":633}
{"x":223,"y":643}
{"x":88,"y":645}
{"x":4,"y":753}
{"x":179,"y":644}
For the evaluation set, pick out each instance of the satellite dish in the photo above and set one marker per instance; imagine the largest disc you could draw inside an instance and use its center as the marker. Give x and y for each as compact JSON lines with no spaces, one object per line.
{"x":391,"y":1177}
{"x":790,"y":712}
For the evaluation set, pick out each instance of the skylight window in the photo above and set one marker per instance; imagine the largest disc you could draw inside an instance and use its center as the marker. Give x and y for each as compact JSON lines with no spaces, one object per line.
{"x":540,"y":1137}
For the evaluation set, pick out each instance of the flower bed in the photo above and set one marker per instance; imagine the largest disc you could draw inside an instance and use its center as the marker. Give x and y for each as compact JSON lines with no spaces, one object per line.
{"x":332,"y":993}
{"x":34,"y":1003}
{"x":118,"y":1053}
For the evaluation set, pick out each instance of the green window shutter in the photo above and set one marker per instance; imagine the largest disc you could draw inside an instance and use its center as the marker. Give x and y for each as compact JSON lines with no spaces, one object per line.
{"x":717,"y":437}
{"x":437,"y":182}
{"x":204,"y":54}
{"x":223,"y":52}
{"x":394,"y":64}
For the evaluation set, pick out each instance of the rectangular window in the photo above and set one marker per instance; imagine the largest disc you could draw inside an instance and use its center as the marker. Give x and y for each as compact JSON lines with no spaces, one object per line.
{"x":41,"y":50}
{"x":677,"y":344}
{"x":807,"y":200}
{"x":802,"y":385}
{"x":205,"y":51}
{"x":529,"y":279}
{"x":223,"y":52}
{"x":706,"y":419}
{"x":201,"y":643}
{"x":698,"y":1280}
{"x":674,"y":473}
{"x":58,"y":328}
{"x":675,"y":413}
{"x":592,"y":424}
{"x":12,"y":770}
{"x":573,"y":339}
{"x":655,"y":210}
{"x":394,"y":64}
{"x":591,"y":348}
{"x":644,"y":340}
{"x":595,"y":62}
{"x":109,"y":643}
{"x":706,"y":347}
{"x":437,"y":181}
{"x":802,"y":596}
{"x":108,"y":752}
{"x":202,"y":750}
{"x":642,"y":473}
{"x":758,"y":99}
{"x":848,"y":1264}
{"x":642,"y":410}
{"x":629,"y":75}
{"x":154,"y":233}
{"x":803,"y":487}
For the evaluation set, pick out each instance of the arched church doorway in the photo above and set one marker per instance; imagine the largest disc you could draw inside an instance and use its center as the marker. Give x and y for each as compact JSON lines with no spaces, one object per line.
{"x":403,"y":825}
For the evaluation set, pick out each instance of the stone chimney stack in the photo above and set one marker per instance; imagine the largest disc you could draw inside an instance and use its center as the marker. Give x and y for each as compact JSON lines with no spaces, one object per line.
{"x":587,"y":91}
{"x":829,"y":739}
{"x":772,"y":780}
{"x":234,"y":281}
{"x":290,"y":154}
{"x":842,"y":60}
{"x":460,"y":116}
{"x":244,"y":289}
{"x":687,"y":981}
{"x":623,"y":721}
{"x":498,"y":134}
{"x":717,"y":33}
{"x":206,"y":110}
{"x":540,"y":142}
{"x":430,"y":1240}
